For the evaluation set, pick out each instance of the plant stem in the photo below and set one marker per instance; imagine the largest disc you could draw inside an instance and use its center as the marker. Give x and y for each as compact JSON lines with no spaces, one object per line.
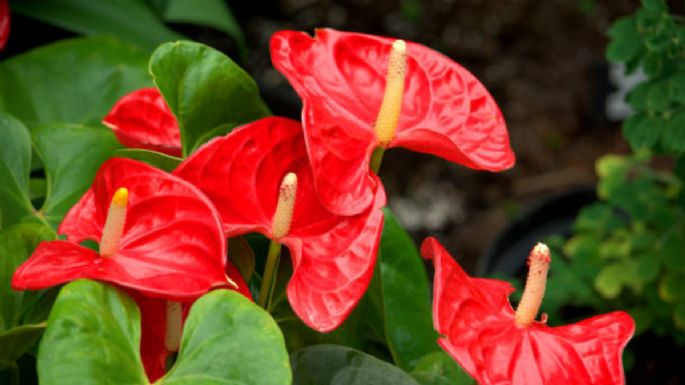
{"x":269,"y":278}
{"x":376,"y":159}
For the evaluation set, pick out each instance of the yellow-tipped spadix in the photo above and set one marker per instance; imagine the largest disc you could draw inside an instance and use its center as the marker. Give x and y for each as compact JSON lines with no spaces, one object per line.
{"x":114,"y":224}
{"x":391,"y":106}
{"x":538,"y":266}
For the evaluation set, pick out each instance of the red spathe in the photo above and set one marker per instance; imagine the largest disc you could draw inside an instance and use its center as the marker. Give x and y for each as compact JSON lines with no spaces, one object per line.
{"x":478,"y":330}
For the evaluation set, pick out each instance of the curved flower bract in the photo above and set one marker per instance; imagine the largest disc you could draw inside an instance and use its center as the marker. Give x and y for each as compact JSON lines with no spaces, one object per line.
{"x":169,"y":243}
{"x":341,"y":77}
{"x":479,"y":330}
{"x":142,"y":119}
{"x":333,"y":256}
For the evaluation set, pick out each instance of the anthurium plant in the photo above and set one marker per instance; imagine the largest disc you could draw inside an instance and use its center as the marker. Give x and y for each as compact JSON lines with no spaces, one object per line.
{"x":158,"y":225}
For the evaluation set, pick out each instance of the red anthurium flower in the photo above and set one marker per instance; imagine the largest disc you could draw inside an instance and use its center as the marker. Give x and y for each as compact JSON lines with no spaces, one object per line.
{"x":157,"y":234}
{"x":260,"y":180}
{"x":142,"y":119}
{"x":496,"y":345}
{"x":363,"y":92}
{"x":4,"y":23}
{"x":158,"y":338}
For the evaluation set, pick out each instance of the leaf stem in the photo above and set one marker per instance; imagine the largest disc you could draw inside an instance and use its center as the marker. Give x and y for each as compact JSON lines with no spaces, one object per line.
{"x":377,"y":159}
{"x":269,"y":280}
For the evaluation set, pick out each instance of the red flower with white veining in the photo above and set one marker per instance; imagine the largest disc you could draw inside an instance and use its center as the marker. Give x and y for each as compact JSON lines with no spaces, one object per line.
{"x":142,"y":119}
{"x":497,"y":345}
{"x":157,"y":234}
{"x":259,"y":178}
{"x":364,"y":93}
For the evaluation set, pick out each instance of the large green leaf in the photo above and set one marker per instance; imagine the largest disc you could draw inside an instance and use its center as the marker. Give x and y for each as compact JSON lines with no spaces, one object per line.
{"x":227,"y":340}
{"x":129,"y":20}
{"x":339,"y":365}
{"x":405,"y":296}
{"x":439,"y":368}
{"x":207,"y":91}
{"x":74,"y":81}
{"x":72,"y":155}
{"x":15,"y":164}
{"x":93,"y":336}
{"x":20,"y":311}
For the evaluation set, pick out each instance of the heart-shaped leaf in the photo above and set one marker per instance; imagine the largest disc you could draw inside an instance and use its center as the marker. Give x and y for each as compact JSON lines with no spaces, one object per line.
{"x":207,"y":91}
{"x":227,"y":340}
{"x":74,"y":81}
{"x":333,"y":365}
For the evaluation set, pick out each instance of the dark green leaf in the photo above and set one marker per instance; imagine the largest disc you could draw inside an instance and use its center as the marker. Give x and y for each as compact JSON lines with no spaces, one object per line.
{"x":15,"y":163}
{"x":428,"y":378}
{"x":16,"y":341}
{"x":91,"y":317}
{"x":672,"y":287}
{"x":129,"y":20}
{"x":443,"y":366}
{"x":659,"y":96}
{"x":242,"y":256}
{"x":72,"y":155}
{"x":207,"y":91}
{"x":74,"y":81}
{"x":655,"y":5}
{"x":211,"y":13}
{"x":679,"y":315}
{"x":228,"y":339}
{"x":338,"y":365}
{"x":625,"y":40}
{"x":642,"y":131}
{"x":153,"y":158}
{"x":673,"y":136}
{"x":406,"y":296}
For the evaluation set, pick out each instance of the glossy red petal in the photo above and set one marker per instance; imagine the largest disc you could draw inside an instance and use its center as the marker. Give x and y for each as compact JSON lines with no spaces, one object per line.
{"x":340,"y":76}
{"x":333,"y":256}
{"x":172,"y":245}
{"x":142,"y":119}
{"x":477,"y":324}
{"x":54,"y":263}
{"x":4,"y":23}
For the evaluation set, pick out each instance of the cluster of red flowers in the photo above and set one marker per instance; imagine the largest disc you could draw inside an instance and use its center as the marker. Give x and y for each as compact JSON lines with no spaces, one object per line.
{"x":312,"y":186}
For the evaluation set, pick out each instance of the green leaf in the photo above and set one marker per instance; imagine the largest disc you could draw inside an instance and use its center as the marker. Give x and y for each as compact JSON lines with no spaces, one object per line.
{"x":679,"y":315}
{"x":91,"y":317}
{"x":128,"y":20}
{"x":20,"y":310}
{"x":441,"y":366}
{"x":333,"y":365}
{"x":72,"y":155}
{"x":211,"y":13}
{"x":207,"y":91}
{"x":673,"y":136}
{"x":655,"y":5}
{"x":242,"y":256}
{"x":74,"y":81}
{"x":406,"y":296}
{"x":672,"y":287}
{"x":659,"y":96}
{"x":153,"y":158}
{"x":227,"y":339}
{"x":609,"y":282}
{"x":15,"y":164}
{"x":642,"y":131}
{"x":624,"y":37}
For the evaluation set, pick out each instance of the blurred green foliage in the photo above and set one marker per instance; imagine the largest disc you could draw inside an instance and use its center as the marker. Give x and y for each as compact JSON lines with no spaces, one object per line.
{"x":628,"y":249}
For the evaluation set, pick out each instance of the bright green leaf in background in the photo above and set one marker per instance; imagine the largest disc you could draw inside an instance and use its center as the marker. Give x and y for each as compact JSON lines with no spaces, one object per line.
{"x":339,"y":365}
{"x":131,"y":21}
{"x":227,"y":339}
{"x":206,"y":90}
{"x":71,"y":81}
